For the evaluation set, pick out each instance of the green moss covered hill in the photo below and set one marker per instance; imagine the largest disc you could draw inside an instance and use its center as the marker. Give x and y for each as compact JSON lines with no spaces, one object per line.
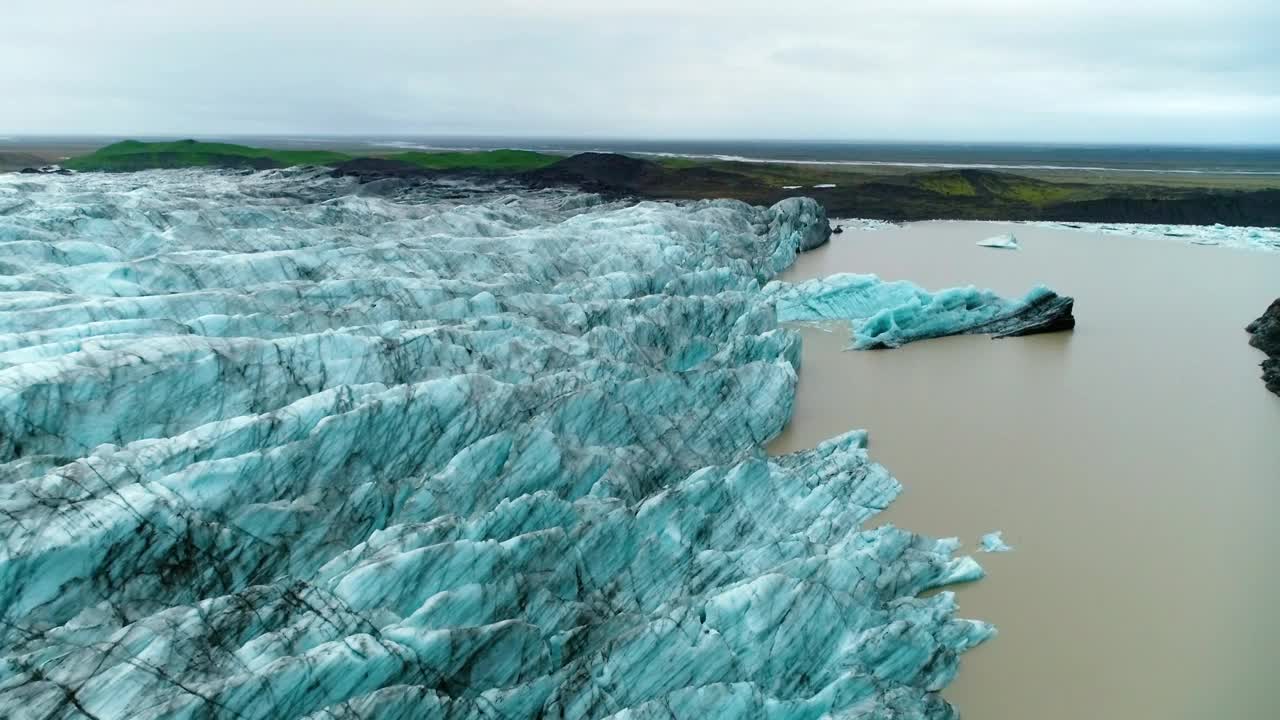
{"x":131,"y":155}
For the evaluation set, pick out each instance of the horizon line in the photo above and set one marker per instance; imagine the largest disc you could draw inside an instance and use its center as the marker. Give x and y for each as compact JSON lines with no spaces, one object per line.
{"x":10,"y":136}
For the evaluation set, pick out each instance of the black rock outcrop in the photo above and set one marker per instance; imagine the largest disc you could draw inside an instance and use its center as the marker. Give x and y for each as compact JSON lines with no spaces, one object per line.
{"x":1050,"y":312}
{"x":601,"y":172}
{"x":369,"y":168}
{"x":1266,"y":337}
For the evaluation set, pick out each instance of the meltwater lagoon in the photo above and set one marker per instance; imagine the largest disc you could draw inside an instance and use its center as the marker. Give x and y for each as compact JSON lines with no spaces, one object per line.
{"x":282,"y":445}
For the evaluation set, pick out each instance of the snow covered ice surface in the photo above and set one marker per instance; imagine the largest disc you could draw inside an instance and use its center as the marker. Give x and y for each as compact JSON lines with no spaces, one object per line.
{"x":279,"y":445}
{"x":1006,"y":241}
{"x":1250,"y":238}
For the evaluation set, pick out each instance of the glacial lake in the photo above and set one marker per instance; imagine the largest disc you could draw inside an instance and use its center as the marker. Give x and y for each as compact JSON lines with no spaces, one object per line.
{"x":1133,"y":464}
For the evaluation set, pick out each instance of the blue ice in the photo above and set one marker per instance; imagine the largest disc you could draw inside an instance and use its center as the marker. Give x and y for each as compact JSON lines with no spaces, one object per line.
{"x":994,"y":542}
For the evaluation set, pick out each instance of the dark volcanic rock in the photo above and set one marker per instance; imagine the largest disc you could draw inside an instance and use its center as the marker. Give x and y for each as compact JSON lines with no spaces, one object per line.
{"x":379,"y":168}
{"x":1260,"y":207}
{"x":1266,"y":337}
{"x":1050,"y":312}
{"x":601,"y":172}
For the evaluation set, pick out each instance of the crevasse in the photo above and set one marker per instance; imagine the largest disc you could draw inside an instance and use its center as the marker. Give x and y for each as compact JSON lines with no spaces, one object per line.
{"x":277,"y":445}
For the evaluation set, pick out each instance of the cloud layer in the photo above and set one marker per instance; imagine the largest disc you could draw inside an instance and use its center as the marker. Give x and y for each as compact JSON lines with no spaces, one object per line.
{"x":1073,"y":70}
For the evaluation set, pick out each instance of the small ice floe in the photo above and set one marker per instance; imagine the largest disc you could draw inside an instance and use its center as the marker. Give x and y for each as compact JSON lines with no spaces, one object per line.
{"x":792,"y":187}
{"x":1204,"y":241}
{"x":992,"y":543}
{"x":824,"y":186}
{"x":1007,"y":241}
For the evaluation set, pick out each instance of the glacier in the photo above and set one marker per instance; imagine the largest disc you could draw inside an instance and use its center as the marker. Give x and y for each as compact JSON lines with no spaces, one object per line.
{"x":284,"y":445}
{"x":888,"y":314}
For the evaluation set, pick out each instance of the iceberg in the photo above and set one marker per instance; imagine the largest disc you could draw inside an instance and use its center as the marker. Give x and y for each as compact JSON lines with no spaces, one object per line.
{"x":993,"y":542}
{"x":281,"y":445}
{"x":1004,"y":240}
{"x":888,"y":314}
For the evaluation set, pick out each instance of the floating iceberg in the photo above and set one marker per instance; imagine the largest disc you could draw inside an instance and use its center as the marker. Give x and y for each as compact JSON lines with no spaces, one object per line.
{"x":992,"y":542}
{"x":1005,"y":240}
{"x":278,"y":445}
{"x":889,"y":314}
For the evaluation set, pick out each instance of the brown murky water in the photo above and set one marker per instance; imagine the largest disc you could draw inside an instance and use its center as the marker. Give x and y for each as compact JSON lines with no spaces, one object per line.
{"x":1133,"y":464}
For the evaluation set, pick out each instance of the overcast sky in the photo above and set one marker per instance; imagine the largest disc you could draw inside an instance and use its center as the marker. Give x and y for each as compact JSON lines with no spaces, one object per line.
{"x":1017,"y":70}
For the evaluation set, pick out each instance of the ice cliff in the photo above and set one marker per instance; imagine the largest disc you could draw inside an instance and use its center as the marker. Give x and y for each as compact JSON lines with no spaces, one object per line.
{"x":279,"y":445}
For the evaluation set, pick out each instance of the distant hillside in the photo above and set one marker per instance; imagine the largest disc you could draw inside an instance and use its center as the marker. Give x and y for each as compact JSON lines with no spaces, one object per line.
{"x":493,"y":160}
{"x":19,"y":160}
{"x":962,"y":194}
{"x":134,"y":155}
{"x":966,"y":194}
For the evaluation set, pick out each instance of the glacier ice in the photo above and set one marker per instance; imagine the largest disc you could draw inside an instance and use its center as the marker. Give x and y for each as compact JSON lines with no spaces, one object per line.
{"x":886,"y":314}
{"x":279,"y":445}
{"x":993,"y":542}
{"x":1004,"y":240}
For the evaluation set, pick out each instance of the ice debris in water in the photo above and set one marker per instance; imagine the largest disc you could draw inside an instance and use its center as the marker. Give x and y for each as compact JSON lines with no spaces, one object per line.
{"x":866,"y":224}
{"x":992,"y":542}
{"x":1251,"y":238}
{"x":276,"y":445}
{"x":887,"y":314}
{"x":1005,"y":240}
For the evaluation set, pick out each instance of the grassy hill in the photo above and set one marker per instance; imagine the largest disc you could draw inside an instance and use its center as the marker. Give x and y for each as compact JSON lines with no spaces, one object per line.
{"x":492,"y":160}
{"x":135,"y":155}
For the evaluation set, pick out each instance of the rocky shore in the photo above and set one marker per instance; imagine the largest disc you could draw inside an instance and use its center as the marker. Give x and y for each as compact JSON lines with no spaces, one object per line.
{"x":1265,"y":332}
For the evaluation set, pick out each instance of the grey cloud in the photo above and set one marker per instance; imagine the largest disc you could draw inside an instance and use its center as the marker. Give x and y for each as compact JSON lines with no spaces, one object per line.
{"x":1088,"y":70}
